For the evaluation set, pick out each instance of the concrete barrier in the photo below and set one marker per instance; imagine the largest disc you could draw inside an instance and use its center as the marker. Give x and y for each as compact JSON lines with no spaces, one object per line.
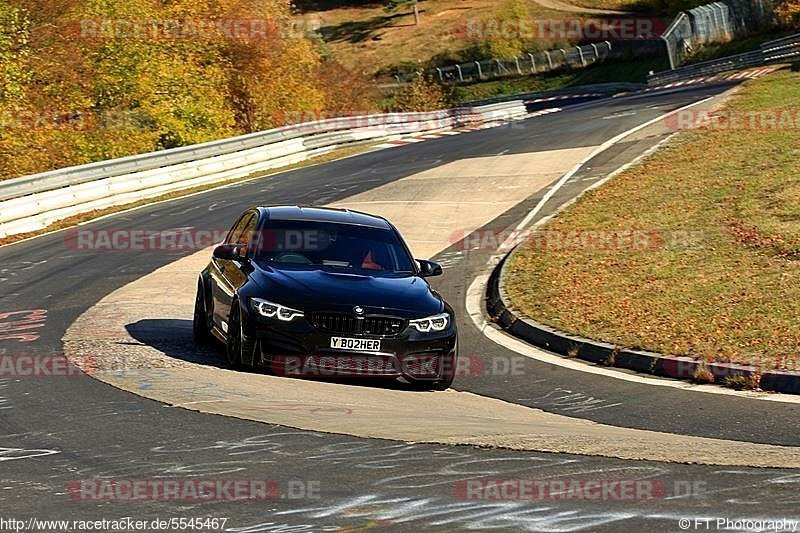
{"x":34,"y":202}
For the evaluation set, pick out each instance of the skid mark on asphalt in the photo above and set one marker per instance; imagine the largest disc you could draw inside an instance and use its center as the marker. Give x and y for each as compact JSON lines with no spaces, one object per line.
{"x":451,"y":259}
{"x":391,"y":470}
{"x":5,"y":403}
{"x":166,"y":371}
{"x":16,"y":454}
{"x":567,"y":401}
{"x":163,"y":365}
{"x":11,"y":271}
{"x":415,"y":486}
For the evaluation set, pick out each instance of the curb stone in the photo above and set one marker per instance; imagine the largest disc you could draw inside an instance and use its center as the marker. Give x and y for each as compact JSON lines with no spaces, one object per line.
{"x":601,"y":353}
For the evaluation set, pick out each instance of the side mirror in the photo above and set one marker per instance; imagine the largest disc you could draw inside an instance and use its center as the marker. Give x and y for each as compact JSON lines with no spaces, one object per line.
{"x":229,"y":252}
{"x":429,"y":269}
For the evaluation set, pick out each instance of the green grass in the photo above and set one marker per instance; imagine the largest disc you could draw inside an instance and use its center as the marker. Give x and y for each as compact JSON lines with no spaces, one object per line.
{"x":724,"y":284}
{"x":367,"y":39}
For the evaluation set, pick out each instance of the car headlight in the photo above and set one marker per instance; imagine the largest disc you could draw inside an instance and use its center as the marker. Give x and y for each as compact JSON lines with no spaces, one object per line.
{"x":431,"y":323}
{"x":273,"y":310}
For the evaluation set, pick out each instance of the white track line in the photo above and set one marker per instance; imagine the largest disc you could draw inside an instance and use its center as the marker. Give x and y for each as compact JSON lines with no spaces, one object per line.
{"x":477,"y":290}
{"x":599,"y":150}
{"x":474,"y":304}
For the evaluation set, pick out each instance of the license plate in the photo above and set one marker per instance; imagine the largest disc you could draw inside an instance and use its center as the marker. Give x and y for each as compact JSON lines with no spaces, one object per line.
{"x":359,"y":345}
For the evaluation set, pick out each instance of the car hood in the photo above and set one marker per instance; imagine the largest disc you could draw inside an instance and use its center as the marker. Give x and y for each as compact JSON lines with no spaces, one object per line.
{"x":318,"y":290}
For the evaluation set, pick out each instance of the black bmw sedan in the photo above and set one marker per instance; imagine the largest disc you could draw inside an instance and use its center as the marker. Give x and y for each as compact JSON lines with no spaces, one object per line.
{"x":318,"y":292}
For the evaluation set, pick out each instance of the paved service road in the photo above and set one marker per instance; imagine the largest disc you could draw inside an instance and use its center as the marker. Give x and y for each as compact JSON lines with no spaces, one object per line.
{"x":56,"y":430}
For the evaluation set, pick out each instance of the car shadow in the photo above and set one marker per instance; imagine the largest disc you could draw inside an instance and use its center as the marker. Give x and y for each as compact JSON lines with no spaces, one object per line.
{"x":173,"y":337}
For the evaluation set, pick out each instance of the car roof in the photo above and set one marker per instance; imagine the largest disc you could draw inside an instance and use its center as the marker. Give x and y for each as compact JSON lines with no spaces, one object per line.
{"x":325,"y":214}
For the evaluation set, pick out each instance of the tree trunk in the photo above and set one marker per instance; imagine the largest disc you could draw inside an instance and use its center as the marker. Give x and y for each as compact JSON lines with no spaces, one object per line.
{"x":416,"y":14}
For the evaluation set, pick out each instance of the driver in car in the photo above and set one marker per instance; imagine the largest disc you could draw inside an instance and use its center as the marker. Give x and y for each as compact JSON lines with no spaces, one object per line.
{"x":369,"y":262}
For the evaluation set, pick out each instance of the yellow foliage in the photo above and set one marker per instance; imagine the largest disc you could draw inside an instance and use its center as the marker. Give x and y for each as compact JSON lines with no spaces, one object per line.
{"x":344,"y":93}
{"x":139,"y":94}
{"x":422,"y":94}
{"x":516,"y":10}
{"x":789,"y":12}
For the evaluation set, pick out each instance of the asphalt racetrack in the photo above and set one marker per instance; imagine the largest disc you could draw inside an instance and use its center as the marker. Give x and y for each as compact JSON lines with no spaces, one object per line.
{"x":57,"y":431}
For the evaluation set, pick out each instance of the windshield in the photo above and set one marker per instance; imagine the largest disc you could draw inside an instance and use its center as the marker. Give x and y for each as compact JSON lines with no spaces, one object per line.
{"x":336,"y":246}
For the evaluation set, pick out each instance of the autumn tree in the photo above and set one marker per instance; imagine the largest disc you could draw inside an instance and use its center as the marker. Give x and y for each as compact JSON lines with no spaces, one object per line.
{"x":512,"y":45}
{"x":345,"y":93}
{"x":127,"y":94}
{"x":789,"y":12}
{"x":422,"y":94}
{"x":14,"y":52}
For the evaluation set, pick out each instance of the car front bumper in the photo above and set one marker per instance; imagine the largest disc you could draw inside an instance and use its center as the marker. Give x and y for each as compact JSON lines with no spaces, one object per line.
{"x":297,"y":348}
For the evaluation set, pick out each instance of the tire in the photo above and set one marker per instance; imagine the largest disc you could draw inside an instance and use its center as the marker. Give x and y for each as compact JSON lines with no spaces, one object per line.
{"x":239,"y":348}
{"x":443,"y":384}
{"x":201,"y":325}
{"x":437,"y":385}
{"x":450,"y":371}
{"x":259,"y":363}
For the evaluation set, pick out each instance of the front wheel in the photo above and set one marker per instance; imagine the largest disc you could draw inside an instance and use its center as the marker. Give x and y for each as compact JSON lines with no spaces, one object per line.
{"x":240,"y":347}
{"x":201,"y":326}
{"x":443,"y":384}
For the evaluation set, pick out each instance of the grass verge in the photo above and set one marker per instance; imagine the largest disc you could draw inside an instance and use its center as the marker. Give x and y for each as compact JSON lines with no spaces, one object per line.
{"x":367,"y":39}
{"x":91,"y":215}
{"x":717,"y":276}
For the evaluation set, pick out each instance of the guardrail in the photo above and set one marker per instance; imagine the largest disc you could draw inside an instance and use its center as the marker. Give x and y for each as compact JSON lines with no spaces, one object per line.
{"x":34,"y":202}
{"x":777,"y":51}
{"x":781,"y":49}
